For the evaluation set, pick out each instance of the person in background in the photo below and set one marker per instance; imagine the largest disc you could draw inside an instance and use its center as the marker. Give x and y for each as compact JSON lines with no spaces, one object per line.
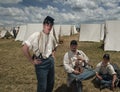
{"x":72,"y":59}
{"x":43,"y":46}
{"x":17,"y":31}
{"x":14,"y":32}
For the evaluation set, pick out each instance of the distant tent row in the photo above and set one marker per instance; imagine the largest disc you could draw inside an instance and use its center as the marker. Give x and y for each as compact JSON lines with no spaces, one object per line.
{"x":4,"y":31}
{"x":58,"y":30}
{"x":108,"y":32}
{"x":22,"y":33}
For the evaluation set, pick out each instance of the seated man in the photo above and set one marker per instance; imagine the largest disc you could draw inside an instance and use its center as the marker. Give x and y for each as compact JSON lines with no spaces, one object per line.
{"x":73,"y":58}
{"x":105,"y":73}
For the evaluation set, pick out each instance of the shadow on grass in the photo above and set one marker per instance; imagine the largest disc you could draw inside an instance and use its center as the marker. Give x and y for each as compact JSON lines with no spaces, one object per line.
{"x":96,"y":85}
{"x":102,"y":46}
{"x":60,"y":65}
{"x":62,"y":88}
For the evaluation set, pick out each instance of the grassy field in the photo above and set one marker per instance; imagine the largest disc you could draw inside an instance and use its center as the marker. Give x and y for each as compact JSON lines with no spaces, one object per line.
{"x":17,"y":73}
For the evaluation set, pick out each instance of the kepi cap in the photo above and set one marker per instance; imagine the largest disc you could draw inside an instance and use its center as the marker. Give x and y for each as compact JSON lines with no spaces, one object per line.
{"x":48,"y":20}
{"x":73,"y":42}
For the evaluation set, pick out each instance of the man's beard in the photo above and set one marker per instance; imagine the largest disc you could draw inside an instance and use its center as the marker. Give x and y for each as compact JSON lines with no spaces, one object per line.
{"x":74,"y":50}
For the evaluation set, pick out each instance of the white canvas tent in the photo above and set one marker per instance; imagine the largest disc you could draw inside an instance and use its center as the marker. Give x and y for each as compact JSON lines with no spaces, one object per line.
{"x":9,"y":29}
{"x":112,"y":40}
{"x":21,"y":33}
{"x":90,"y":32}
{"x":74,"y":31}
{"x":102,"y":32}
{"x":65,"y":30}
{"x":56,"y":29}
{"x":3,"y":33}
{"x":31,"y":28}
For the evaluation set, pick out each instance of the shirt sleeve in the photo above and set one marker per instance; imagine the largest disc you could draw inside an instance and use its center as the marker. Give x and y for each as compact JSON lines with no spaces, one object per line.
{"x":30,"y":40}
{"x":67,"y":66}
{"x":97,"y":69}
{"x":84,"y":56}
{"x":111,"y":69}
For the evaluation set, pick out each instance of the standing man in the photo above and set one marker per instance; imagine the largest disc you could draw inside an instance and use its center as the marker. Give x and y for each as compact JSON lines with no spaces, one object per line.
{"x":73,"y":58}
{"x":14,"y":32}
{"x":43,"y":46}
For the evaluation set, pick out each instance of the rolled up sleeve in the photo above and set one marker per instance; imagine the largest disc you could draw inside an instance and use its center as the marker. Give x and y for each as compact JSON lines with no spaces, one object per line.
{"x":30,"y":41}
{"x":67,"y":66}
{"x":111,"y":70}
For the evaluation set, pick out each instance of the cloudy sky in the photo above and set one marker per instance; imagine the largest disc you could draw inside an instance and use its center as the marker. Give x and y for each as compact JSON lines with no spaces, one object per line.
{"x":64,"y":11}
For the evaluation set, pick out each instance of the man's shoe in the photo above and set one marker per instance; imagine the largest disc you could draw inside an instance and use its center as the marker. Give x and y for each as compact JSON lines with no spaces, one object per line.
{"x":102,"y":86}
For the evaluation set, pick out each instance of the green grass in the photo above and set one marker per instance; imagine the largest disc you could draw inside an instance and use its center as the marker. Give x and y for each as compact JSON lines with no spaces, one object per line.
{"x":17,"y":73}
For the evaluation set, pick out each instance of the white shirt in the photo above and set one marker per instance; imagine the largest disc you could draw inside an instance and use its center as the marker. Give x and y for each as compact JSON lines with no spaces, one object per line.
{"x":69,"y":61}
{"x":33,"y":43}
{"x":108,"y":69}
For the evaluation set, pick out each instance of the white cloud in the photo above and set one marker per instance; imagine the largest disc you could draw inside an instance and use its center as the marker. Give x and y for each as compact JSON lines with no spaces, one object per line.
{"x":36,"y":14}
{"x":11,"y":12}
{"x":97,"y":10}
{"x":10,"y":1}
{"x":82,"y":4}
{"x":4,"y":11}
{"x":12,"y":15}
{"x":69,"y":11}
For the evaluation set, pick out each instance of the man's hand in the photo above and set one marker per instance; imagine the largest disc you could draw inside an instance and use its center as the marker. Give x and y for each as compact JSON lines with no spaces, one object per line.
{"x":36,"y":61}
{"x":76,"y":63}
{"x":76,"y":72}
{"x":113,"y":85}
{"x":113,"y":81}
{"x":98,"y":76}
